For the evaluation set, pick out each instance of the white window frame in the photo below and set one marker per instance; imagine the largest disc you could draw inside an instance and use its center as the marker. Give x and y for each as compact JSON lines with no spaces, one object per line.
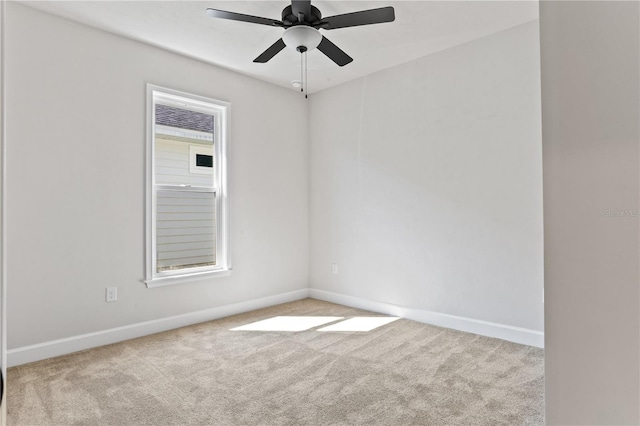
{"x":220,"y":111}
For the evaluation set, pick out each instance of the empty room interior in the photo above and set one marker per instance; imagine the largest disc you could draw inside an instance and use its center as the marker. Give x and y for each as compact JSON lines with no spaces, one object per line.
{"x":320,"y":213}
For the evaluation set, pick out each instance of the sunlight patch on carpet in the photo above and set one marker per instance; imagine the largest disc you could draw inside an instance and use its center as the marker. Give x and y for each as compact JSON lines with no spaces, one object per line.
{"x":360,"y":324}
{"x":287,"y":323}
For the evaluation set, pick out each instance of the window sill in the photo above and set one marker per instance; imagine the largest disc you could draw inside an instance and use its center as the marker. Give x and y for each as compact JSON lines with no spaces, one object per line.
{"x":186,"y":278}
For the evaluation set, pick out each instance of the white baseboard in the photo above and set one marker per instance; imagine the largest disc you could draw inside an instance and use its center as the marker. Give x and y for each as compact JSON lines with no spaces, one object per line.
{"x":72,"y":344}
{"x":68,"y":345}
{"x":484,"y":328}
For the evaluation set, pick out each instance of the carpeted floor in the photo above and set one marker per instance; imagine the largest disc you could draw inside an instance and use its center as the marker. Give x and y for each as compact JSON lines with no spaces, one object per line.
{"x":402,"y":373}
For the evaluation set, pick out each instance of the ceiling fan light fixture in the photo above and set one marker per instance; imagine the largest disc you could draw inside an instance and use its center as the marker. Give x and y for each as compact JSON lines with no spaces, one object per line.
{"x":302,"y":35}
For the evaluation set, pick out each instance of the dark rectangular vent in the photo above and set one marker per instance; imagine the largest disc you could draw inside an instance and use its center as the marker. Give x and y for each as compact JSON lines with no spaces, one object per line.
{"x":203,"y":160}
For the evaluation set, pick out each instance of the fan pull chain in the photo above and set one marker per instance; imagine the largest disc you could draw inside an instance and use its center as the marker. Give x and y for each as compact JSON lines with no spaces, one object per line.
{"x":306,"y":75}
{"x":302,"y":71}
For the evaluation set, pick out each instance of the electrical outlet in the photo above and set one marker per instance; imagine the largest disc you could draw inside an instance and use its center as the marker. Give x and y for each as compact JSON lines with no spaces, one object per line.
{"x":112,"y":294}
{"x":334,"y":268}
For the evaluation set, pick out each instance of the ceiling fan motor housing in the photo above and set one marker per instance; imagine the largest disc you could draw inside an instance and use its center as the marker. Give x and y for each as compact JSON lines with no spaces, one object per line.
{"x":288,"y":18}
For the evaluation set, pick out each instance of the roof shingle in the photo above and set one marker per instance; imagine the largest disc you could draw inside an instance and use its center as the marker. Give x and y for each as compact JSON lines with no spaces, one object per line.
{"x":183,"y":118}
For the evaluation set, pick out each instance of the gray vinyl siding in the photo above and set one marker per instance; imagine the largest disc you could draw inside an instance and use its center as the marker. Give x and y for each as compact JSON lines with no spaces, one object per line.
{"x":172,"y":165}
{"x":185,"y":229}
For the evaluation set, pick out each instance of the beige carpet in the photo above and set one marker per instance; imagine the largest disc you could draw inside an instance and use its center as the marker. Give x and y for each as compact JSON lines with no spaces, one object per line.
{"x":403,"y":373}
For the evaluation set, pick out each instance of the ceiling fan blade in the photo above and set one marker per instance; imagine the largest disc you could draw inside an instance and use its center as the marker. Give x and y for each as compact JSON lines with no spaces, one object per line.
{"x":301,"y":6}
{"x":270,"y":52}
{"x":364,"y":17}
{"x":223,"y":14}
{"x":333,"y":52}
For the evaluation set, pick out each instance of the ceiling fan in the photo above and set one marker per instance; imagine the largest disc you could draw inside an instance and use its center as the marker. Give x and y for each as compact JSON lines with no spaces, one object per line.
{"x":302,"y":23}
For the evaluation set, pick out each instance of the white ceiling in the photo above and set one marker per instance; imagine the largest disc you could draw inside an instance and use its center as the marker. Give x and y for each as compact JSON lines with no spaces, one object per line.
{"x":420,"y":28}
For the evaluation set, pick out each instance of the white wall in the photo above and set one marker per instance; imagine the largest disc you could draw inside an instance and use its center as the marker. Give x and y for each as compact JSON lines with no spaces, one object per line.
{"x":426,"y":183}
{"x":591,"y":109}
{"x":3,"y":269}
{"x":76,"y":107}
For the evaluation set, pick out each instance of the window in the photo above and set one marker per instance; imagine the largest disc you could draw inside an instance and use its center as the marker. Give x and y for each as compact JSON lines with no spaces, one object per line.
{"x":187,"y":214}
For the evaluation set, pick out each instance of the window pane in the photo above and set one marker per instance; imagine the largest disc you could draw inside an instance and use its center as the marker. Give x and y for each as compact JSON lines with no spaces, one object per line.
{"x":183,"y":139}
{"x":185,"y":229}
